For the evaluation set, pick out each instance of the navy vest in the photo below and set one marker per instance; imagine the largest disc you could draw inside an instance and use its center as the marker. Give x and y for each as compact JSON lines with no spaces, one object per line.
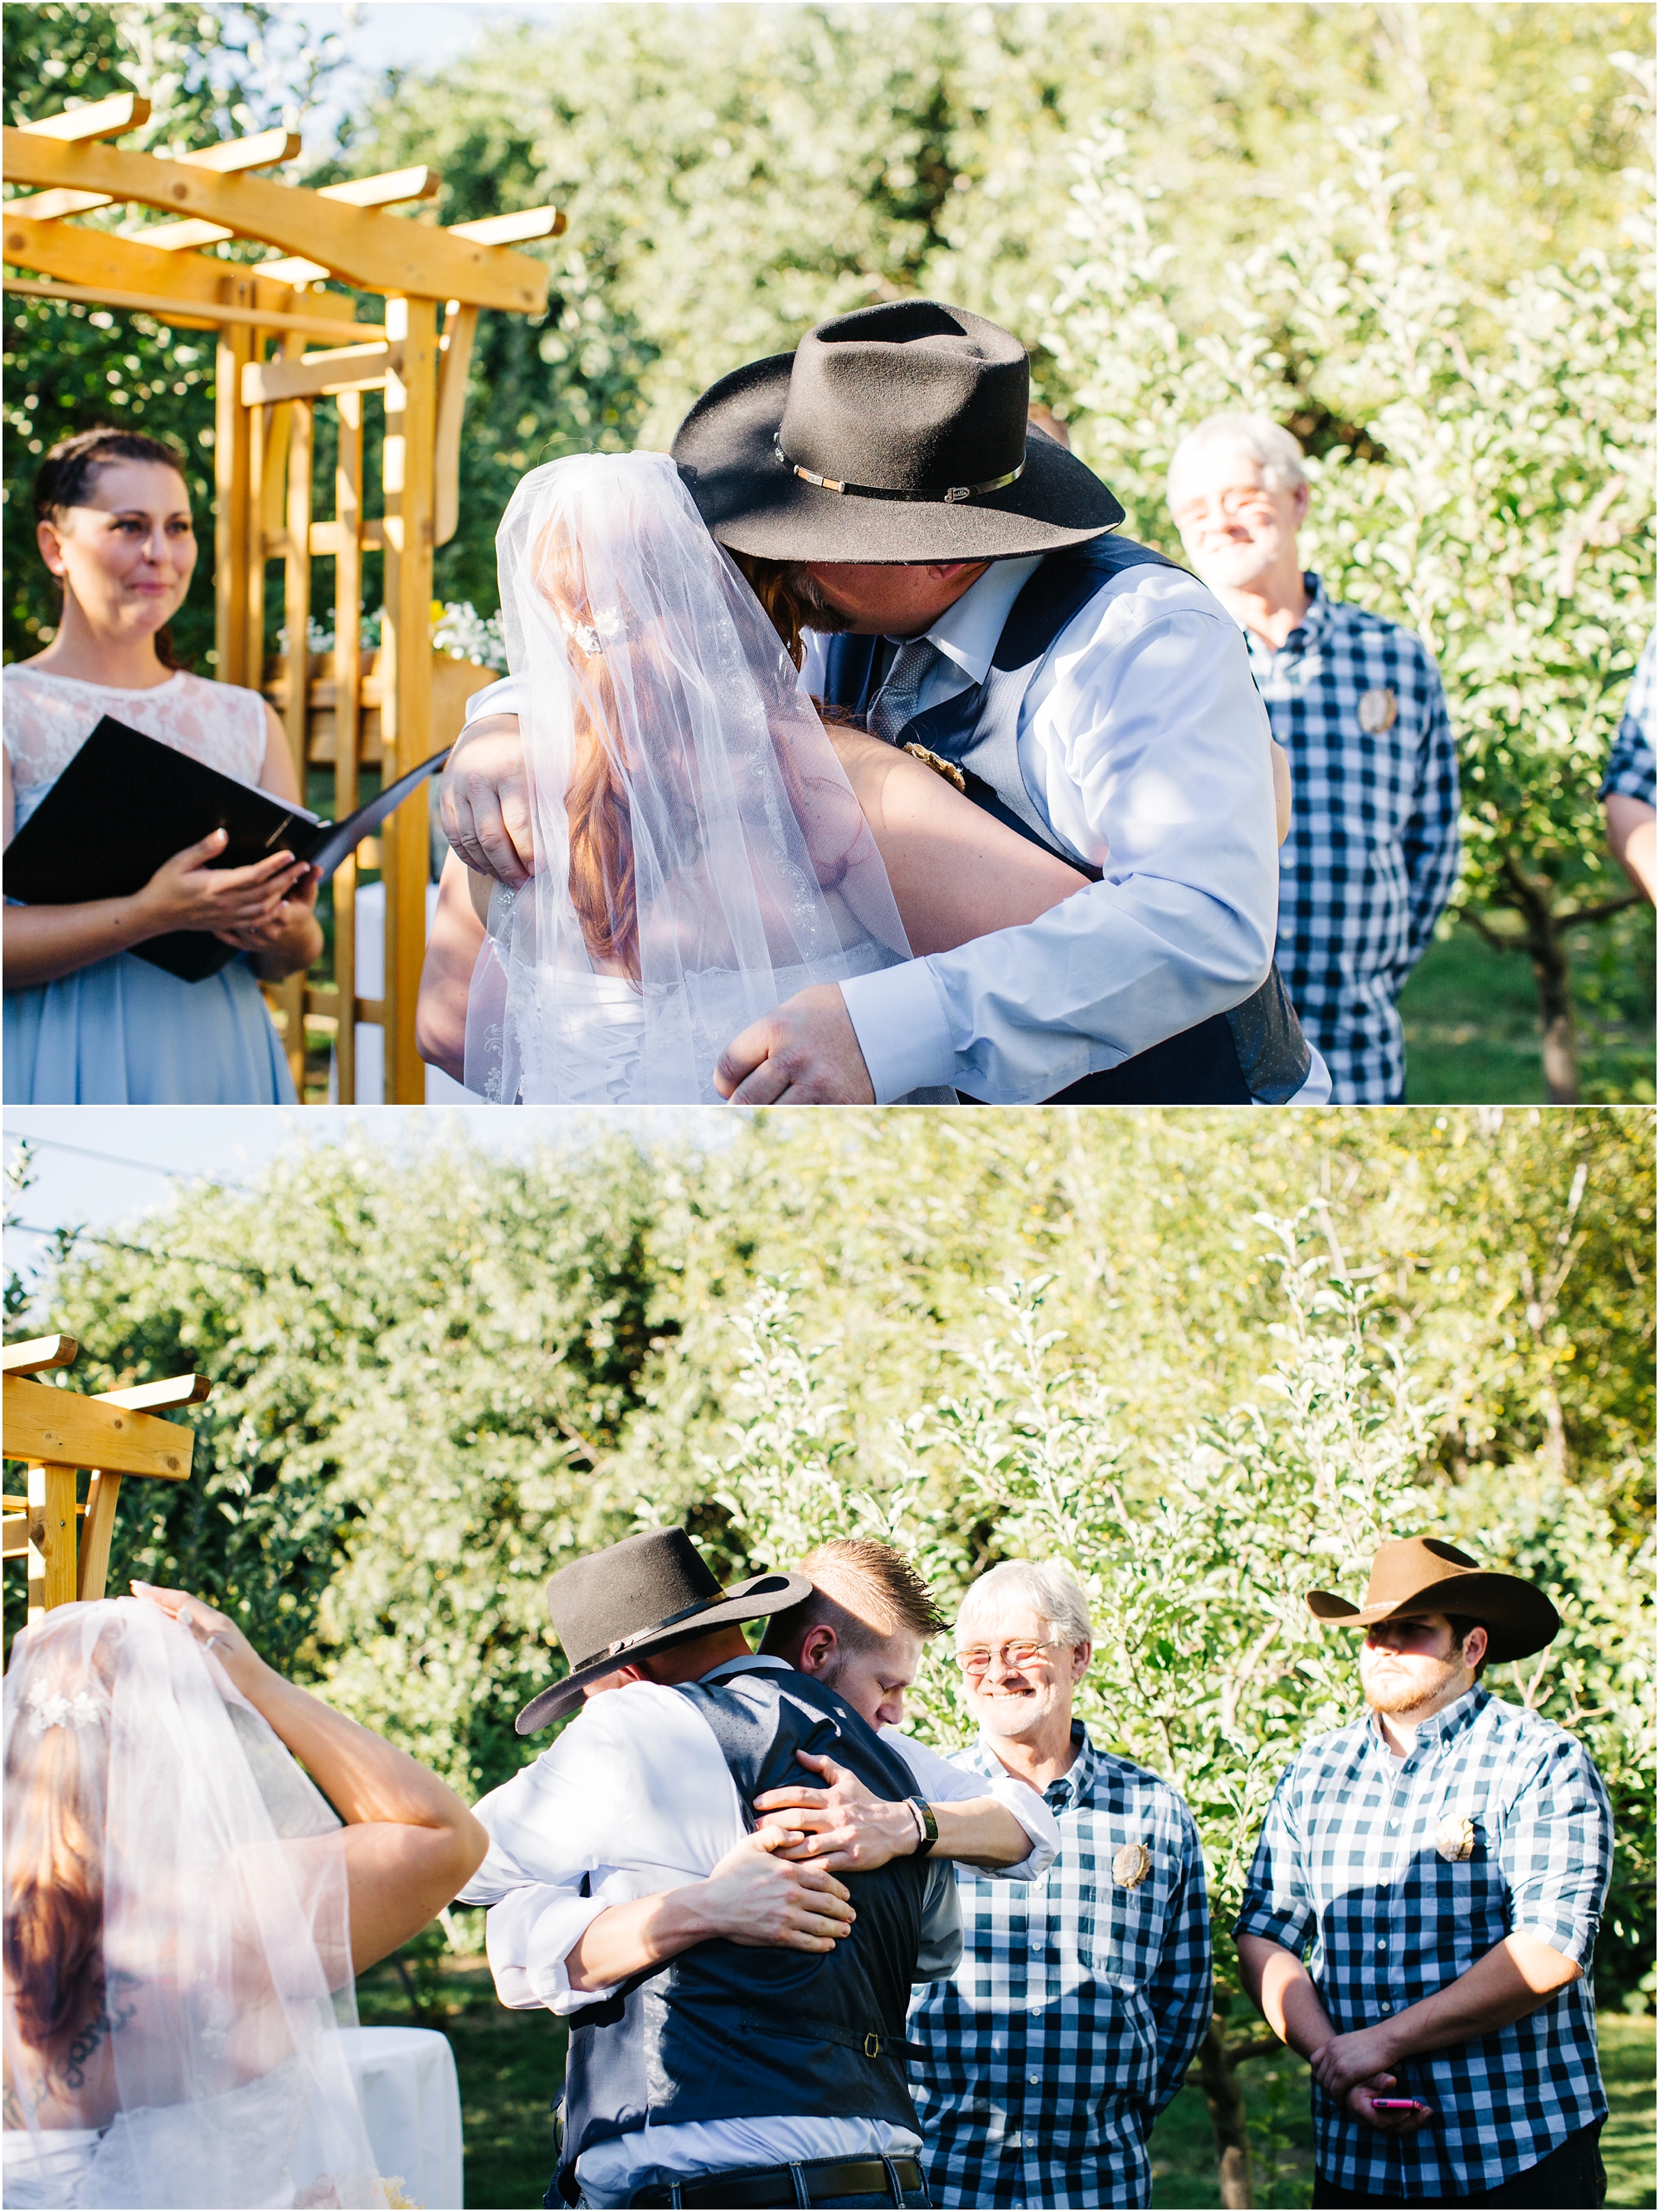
{"x":722,"y":2033}
{"x":1255,"y":1051}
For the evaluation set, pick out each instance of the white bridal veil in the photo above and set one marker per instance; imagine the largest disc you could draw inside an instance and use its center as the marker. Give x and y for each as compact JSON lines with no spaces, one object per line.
{"x":177,"y":1958}
{"x":699,"y":855}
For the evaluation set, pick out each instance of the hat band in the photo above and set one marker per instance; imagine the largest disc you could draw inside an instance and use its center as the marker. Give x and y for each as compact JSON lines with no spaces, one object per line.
{"x":953,"y":497}
{"x":644,"y":1635}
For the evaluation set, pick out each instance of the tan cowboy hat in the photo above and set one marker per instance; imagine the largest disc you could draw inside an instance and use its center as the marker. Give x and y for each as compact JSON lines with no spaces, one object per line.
{"x":1422,"y":1575}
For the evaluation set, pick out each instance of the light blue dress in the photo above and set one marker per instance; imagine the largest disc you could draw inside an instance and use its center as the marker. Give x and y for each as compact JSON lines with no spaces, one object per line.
{"x":124,"y":1032}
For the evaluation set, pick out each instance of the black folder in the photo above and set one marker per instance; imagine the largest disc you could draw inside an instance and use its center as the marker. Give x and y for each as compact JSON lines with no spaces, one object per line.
{"x":125,"y":804}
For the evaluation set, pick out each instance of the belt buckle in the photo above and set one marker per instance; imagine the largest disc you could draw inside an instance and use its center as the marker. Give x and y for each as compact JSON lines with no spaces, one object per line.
{"x":873,"y":2045}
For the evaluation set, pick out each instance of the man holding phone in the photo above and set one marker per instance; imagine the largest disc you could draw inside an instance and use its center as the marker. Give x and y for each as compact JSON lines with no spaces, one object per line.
{"x":1448,"y":1857}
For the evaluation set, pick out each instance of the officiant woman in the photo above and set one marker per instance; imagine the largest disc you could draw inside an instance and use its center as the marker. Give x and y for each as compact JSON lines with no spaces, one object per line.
{"x":88,"y":1020}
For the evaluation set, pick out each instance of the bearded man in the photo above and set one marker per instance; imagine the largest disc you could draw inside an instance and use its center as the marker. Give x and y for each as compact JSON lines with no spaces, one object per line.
{"x":1448,"y":1857}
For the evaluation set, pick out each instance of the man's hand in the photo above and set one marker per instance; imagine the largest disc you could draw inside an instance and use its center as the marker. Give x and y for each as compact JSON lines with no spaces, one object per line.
{"x":845,"y":1826}
{"x":756,"y":1897}
{"x":803,"y":1052}
{"x":1363,"y":2055}
{"x":1360,"y":2101}
{"x":483,"y":802}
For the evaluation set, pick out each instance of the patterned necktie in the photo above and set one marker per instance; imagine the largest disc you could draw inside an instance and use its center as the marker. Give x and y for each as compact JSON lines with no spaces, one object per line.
{"x":895,"y":704}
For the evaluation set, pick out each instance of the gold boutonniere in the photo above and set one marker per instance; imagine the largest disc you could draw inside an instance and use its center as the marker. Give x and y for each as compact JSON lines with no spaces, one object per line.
{"x":1131,"y":1865}
{"x":1454,"y":1839}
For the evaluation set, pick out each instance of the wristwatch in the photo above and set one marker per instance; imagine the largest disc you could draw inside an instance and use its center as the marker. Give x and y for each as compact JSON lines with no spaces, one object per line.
{"x":926,"y":1826}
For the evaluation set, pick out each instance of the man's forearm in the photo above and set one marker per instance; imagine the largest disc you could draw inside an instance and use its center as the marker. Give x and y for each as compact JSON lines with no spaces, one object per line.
{"x":1513,"y":1980}
{"x":1282,"y":1990}
{"x":980,"y":1832}
{"x":630,"y":1939}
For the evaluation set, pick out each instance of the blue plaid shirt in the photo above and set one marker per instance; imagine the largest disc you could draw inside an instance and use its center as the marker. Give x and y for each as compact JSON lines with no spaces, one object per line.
{"x":1350,"y":1860}
{"x":1374,"y":852}
{"x":1078,"y":2003}
{"x":1630,"y":764}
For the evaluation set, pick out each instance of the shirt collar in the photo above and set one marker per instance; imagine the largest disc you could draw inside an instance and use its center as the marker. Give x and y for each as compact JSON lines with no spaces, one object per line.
{"x":1307,"y":632}
{"x":1076,"y":1786}
{"x":746,"y":1666}
{"x":967,"y":632}
{"x":1440,"y":1728}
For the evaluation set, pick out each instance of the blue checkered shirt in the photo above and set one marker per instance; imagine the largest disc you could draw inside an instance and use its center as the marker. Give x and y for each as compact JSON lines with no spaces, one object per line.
{"x":1349,"y":1861}
{"x":1630,"y":764}
{"x":1078,"y":2003}
{"x":1374,"y":852}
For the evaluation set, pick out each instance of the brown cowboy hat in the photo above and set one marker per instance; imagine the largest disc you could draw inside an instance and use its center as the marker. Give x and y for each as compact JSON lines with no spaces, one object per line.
{"x":1420,"y":1574}
{"x":644,"y":1595}
{"x":895,"y":434}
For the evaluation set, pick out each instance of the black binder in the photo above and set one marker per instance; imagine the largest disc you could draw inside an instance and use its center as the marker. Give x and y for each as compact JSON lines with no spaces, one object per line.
{"x":125,"y":804}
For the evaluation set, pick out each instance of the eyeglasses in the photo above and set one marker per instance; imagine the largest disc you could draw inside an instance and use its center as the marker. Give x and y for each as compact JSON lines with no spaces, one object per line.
{"x":976,"y":1658}
{"x":1233,"y":505}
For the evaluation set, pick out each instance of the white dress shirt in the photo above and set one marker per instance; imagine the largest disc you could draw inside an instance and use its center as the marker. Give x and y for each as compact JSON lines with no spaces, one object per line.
{"x":1143,"y":743}
{"x":635,"y":1797}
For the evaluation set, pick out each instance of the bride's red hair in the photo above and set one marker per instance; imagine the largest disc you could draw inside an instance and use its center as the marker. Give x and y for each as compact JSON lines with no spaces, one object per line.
{"x":603,"y":889}
{"x":54,"y":1909}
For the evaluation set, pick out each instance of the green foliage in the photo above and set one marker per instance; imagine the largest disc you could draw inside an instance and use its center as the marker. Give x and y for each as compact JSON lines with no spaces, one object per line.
{"x":1486,"y":480}
{"x":208,"y":73}
{"x":1197,"y":1550}
{"x":438,"y":1375}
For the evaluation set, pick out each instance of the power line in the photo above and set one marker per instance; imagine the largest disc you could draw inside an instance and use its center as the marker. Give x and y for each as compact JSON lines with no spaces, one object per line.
{"x":114,"y":1159}
{"x":144,"y":1251}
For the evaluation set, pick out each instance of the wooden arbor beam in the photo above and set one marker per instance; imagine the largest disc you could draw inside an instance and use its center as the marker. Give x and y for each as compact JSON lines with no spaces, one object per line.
{"x":99,"y":118}
{"x":101,"y":257}
{"x":361,"y":246}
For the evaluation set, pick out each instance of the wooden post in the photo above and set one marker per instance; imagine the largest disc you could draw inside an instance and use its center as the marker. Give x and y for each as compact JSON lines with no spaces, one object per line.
{"x":231,"y":535}
{"x":296,"y":613}
{"x":52,"y":1538}
{"x":348,"y":686}
{"x":406,"y":712}
{"x":103,"y":1491}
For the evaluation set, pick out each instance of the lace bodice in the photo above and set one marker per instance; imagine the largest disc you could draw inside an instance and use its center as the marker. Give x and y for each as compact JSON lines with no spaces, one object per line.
{"x":47,"y":719}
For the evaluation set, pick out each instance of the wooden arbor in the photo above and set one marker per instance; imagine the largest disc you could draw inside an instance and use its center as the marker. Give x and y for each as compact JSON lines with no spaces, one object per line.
{"x":434,"y":282}
{"x":57,"y":1432}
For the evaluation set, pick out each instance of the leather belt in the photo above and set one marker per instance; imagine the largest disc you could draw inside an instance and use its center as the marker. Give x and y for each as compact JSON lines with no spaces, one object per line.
{"x":808,"y":2181}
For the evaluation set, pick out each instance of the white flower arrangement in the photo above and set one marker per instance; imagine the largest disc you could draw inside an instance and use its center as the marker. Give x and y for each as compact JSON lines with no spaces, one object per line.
{"x":457,"y":628}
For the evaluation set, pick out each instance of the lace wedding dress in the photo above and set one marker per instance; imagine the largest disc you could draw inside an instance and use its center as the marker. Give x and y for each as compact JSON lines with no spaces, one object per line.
{"x":123,"y":1031}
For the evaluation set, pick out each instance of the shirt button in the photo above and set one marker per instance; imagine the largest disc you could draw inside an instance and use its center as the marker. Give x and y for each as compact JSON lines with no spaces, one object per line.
{"x":1034,"y":2079}
{"x":1381,"y":1942}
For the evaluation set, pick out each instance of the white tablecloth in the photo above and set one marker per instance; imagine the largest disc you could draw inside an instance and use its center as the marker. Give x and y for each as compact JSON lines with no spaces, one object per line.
{"x":411,"y":2103}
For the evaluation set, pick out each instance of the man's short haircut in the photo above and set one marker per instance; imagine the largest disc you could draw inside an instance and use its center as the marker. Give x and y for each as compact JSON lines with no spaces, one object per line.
{"x":1260,"y":438}
{"x":864,"y":1591}
{"x":1462,"y":1623}
{"x":1050,"y":1589}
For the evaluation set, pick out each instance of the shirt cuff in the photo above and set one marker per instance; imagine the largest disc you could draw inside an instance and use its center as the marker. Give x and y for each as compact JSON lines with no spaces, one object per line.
{"x":1039,"y":1824}
{"x":501,"y":697}
{"x":528,"y":1942}
{"x":898,"y":1016}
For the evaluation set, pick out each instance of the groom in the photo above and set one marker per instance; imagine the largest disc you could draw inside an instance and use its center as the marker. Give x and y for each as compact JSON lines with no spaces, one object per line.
{"x":970,"y":599}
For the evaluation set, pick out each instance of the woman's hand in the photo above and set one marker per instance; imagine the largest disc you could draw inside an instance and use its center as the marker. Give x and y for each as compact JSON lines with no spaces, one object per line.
{"x":186,"y":893}
{"x":208,"y":1625}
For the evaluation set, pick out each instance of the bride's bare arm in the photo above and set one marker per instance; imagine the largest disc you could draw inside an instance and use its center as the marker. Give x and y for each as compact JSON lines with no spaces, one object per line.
{"x":410,"y":1844}
{"x":451,"y":952}
{"x":957,"y":871}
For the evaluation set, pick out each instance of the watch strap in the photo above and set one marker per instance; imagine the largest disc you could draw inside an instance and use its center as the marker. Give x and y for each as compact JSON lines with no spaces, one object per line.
{"x":929,"y":1835}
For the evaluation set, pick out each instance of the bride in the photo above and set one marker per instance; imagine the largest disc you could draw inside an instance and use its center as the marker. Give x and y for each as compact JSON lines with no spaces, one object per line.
{"x":708,"y":843}
{"x":184,"y":1912}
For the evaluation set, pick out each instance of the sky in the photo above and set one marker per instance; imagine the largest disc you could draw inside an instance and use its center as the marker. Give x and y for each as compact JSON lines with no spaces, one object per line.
{"x":382,"y":34}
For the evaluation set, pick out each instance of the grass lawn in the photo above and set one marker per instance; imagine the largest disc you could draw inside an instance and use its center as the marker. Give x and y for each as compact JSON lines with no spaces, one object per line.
{"x":511,"y":2065}
{"x":1471,"y":1018}
{"x":1276,"y":2096}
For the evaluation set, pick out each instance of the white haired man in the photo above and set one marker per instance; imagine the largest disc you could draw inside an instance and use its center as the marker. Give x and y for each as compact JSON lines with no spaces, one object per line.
{"x":1081,"y":1997}
{"x":1373,"y":854}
